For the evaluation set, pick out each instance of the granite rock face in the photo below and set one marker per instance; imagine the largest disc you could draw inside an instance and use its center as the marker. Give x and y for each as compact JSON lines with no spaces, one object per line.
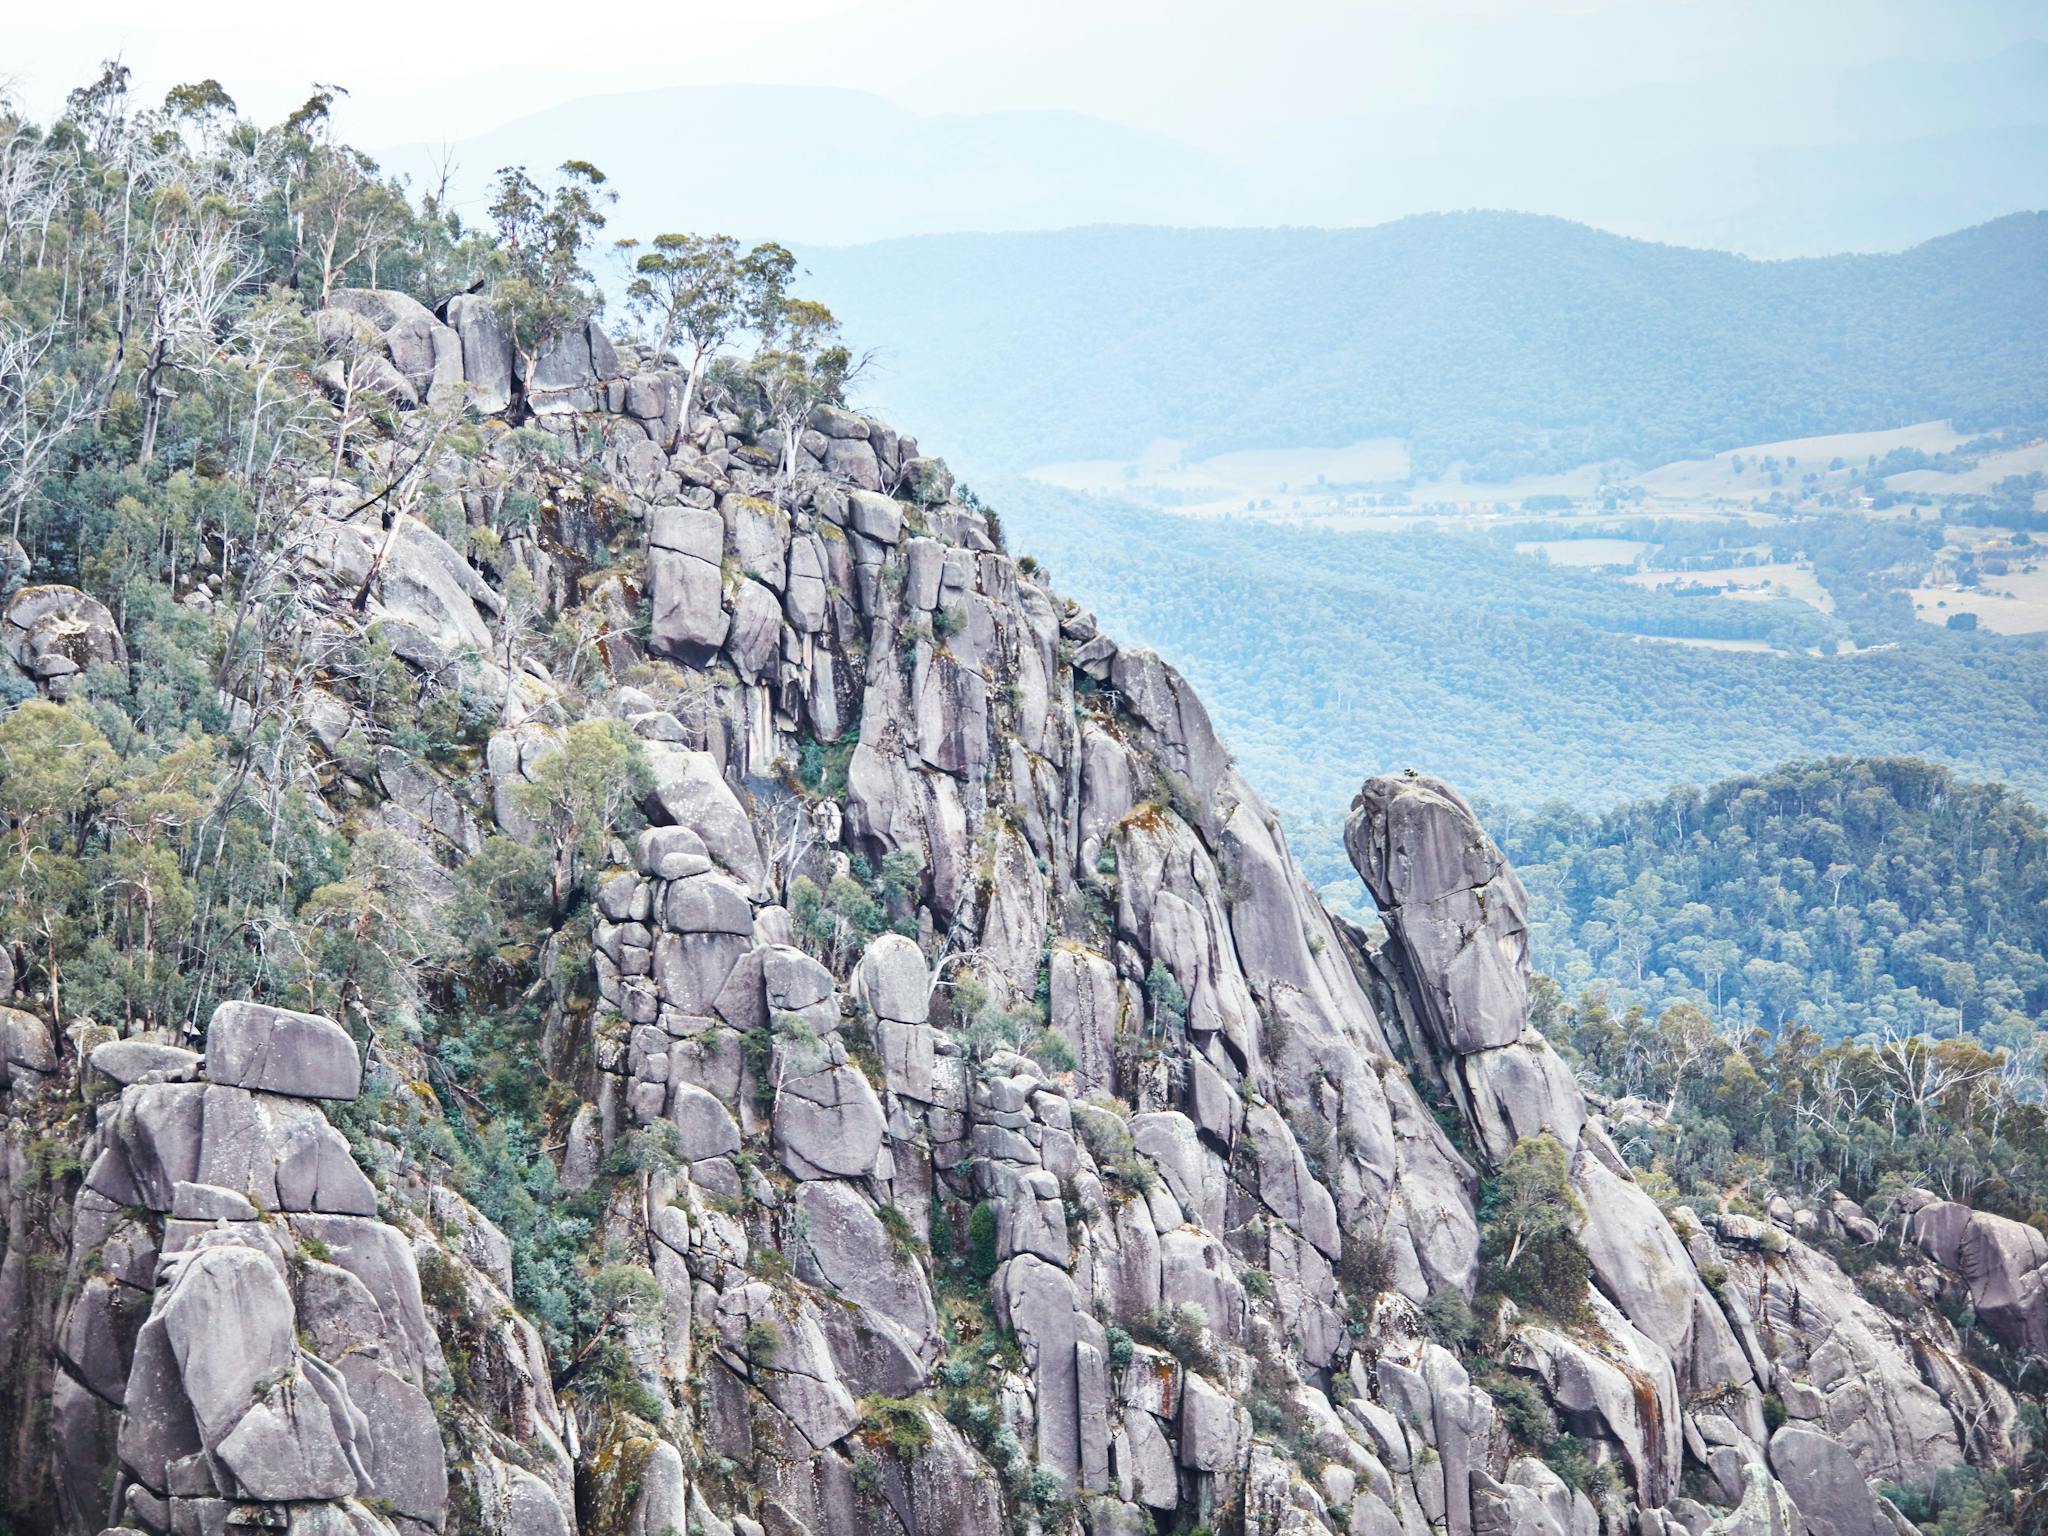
{"x":952,"y":1110}
{"x":245,"y":1330}
{"x":274,"y":1050}
{"x":2003,"y":1262}
{"x":55,"y":634}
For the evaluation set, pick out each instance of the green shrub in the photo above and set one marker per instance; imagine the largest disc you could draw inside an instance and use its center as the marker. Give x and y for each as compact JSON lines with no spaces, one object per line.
{"x":1051,"y":1051}
{"x":1365,"y":1264}
{"x":1448,"y":1319}
{"x":646,"y":1149}
{"x":897,"y":1422}
{"x":821,"y":765}
{"x":1524,"y":1413}
{"x":1108,"y":1140}
{"x":1527,"y":1214}
{"x":1044,"y":1487}
{"x":1908,"y":1501}
{"x":1169,"y":1002}
{"x":1181,"y":1331}
{"x":982,"y":1257}
{"x":608,"y":1371}
{"x":903,"y":1239}
{"x":761,"y":1341}
{"x":1567,"y":1457}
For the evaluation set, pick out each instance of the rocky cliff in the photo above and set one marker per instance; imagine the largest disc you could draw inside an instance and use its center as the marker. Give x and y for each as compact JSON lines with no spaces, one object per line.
{"x":970,"y":1119}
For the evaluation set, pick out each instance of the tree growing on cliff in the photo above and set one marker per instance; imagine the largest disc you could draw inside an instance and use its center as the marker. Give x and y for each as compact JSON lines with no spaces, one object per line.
{"x":583,"y":793}
{"x":52,"y":762}
{"x":543,"y":239}
{"x":41,"y":406}
{"x":699,"y":291}
{"x":802,"y":365}
{"x":1529,"y":1215}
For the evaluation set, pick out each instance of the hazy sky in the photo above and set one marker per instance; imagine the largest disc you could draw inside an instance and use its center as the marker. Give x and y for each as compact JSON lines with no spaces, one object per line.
{"x":1771,"y":127}
{"x":1203,"y":70}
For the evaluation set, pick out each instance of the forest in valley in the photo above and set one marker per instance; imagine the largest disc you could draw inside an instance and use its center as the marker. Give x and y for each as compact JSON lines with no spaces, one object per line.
{"x":1327,"y":657}
{"x":1877,"y":897}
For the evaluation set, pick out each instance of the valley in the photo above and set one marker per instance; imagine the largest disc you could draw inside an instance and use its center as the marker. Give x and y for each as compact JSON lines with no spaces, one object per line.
{"x":1752,"y":511}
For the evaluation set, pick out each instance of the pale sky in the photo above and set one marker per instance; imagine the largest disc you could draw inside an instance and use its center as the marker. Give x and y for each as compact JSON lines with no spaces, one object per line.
{"x":1202,"y":70}
{"x":1770,"y":127}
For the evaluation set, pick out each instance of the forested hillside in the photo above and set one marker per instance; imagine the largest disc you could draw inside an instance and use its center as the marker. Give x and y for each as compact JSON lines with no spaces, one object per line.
{"x":1524,"y":682}
{"x":1850,"y":896}
{"x":1504,"y":340}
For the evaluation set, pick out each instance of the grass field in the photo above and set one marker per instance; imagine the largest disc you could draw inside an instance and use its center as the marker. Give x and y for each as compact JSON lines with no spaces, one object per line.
{"x":1363,"y":488}
{"x":1747,"y":582}
{"x":1586,"y":552}
{"x":2013,"y":604}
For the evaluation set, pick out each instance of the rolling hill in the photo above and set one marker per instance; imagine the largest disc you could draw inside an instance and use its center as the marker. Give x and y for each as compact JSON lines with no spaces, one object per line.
{"x":1506,"y":341}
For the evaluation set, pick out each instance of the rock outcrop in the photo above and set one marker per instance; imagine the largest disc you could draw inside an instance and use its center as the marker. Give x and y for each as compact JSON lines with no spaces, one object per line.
{"x":963,"y":1115}
{"x":245,"y":1333}
{"x":54,"y":634}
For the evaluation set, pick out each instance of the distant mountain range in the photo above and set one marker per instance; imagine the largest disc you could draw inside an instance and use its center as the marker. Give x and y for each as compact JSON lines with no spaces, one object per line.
{"x":1784,"y":157}
{"x":1505,"y":341}
{"x":800,"y":163}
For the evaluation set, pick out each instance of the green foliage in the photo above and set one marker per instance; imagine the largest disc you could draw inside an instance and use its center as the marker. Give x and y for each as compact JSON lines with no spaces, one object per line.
{"x":654,"y":1148}
{"x":801,"y":363}
{"x":1183,"y":1332}
{"x":515,"y":1185}
{"x":1529,"y":1215}
{"x":982,"y":1254}
{"x":1108,"y":1139}
{"x":1169,"y":1002}
{"x":1850,"y":894}
{"x":990,"y":1026}
{"x":761,"y":1341}
{"x":821,"y":765}
{"x":1567,"y":1456}
{"x":502,"y":906}
{"x":835,"y":924}
{"x":698,"y":291}
{"x":1365,"y":1265}
{"x":898,"y":1423}
{"x":1447,"y":1318}
{"x":1960,"y":1501}
{"x":543,"y":235}
{"x":900,"y":877}
{"x":903,"y":1239}
{"x":1869,"y":1117}
{"x":587,"y":791}
{"x":1524,"y":1412}
{"x":1051,"y":1051}
{"x":608,"y":1371}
